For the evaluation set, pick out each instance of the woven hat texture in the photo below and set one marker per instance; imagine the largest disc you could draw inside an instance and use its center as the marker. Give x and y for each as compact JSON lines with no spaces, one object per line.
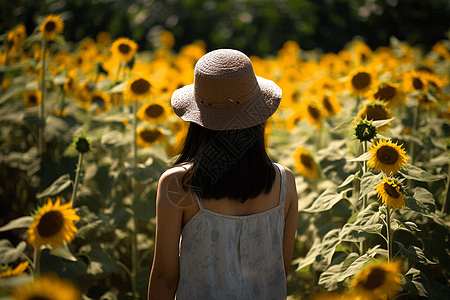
{"x":226,"y":93}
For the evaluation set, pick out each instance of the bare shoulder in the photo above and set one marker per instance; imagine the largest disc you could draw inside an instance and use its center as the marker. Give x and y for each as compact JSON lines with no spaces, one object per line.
{"x":291,"y":189}
{"x":170,"y":188}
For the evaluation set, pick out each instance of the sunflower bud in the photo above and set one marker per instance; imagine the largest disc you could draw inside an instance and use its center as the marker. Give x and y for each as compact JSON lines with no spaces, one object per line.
{"x":82,"y":145}
{"x":365,"y":130}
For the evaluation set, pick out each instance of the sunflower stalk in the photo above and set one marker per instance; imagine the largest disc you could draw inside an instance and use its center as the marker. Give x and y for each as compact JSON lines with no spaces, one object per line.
{"x":447,"y":193}
{"x":134,"y":251}
{"x":388,"y":233}
{"x":41,"y":110}
{"x":63,"y":102}
{"x":77,"y":178}
{"x":37,"y":263}
{"x":362,"y":244}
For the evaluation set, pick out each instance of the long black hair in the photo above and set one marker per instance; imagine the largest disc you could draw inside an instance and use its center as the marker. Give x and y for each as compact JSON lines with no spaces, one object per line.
{"x":226,"y":163}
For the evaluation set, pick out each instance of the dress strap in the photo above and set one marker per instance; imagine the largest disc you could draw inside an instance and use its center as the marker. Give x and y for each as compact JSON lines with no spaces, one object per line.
{"x":283,"y":184}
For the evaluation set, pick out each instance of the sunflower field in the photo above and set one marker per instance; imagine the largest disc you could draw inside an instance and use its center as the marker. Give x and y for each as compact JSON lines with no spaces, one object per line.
{"x":87,"y":129}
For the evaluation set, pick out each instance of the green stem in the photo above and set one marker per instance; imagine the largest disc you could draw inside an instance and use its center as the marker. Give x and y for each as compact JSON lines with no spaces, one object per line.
{"x":63,"y":102}
{"x":362,"y":244}
{"x":77,"y":178}
{"x":388,"y":234}
{"x":42,"y":106}
{"x":37,"y":263}
{"x":134,"y":251}
{"x":356,"y":108}
{"x":118,"y":70}
{"x":134,"y":133}
{"x":447,"y":192}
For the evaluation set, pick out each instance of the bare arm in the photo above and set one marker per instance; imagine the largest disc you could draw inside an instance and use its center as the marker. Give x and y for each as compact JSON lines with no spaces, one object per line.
{"x":291,"y":219}
{"x":165,"y":270}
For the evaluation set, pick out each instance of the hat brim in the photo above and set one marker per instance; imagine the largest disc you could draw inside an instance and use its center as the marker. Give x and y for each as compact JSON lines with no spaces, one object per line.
{"x":253,"y":112}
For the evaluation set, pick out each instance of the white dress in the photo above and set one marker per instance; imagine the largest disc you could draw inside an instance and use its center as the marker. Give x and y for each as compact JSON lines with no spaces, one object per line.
{"x":233,"y":257}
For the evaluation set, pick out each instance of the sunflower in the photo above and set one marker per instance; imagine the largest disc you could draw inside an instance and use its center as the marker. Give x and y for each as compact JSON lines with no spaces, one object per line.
{"x":293,"y":119}
{"x":387,"y":157}
{"x":332,"y":64}
{"x":47,"y":287}
{"x":415,"y":81}
{"x":361,"y":81}
{"x":362,"y":52}
{"x":346,"y":58}
{"x":304,"y":163}
{"x":389,"y":93}
{"x":426,"y":101}
{"x":330,"y":105}
{"x":102,"y":100}
{"x":53,"y":224}
{"x":377,"y":281}
{"x":124,"y":49}
{"x":311,"y":112}
{"x":375,"y":111}
{"x":329,"y":296}
{"x":440,"y":49}
{"x":167,"y":39}
{"x":17,"y":271}
{"x":138,"y":89}
{"x":154,"y":112}
{"x":389,"y":191}
{"x":147,"y":136}
{"x":71,"y":84}
{"x":32,"y":98}
{"x":51,"y":27}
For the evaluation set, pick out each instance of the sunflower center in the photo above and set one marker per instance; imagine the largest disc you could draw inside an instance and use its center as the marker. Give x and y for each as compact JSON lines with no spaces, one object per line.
{"x":33,"y":99}
{"x":361,"y":80}
{"x":295,"y":96}
{"x":150,"y":135}
{"x":154,"y":111}
{"x":376,"y":113}
{"x":391,"y":191}
{"x":50,"y":26}
{"x":314,"y":112}
{"x":375,"y":279}
{"x":417,"y":83}
{"x":79,"y":61}
{"x":387,"y":155}
{"x":97,"y":99}
{"x":124,"y":48}
{"x":306,"y":161}
{"x":385,"y":93}
{"x":50,"y":224}
{"x":327,"y":104}
{"x":140,"y":86}
{"x":82,"y":145}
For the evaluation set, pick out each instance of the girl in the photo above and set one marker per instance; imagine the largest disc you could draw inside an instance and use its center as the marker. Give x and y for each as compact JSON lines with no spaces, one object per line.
{"x":235,"y":210}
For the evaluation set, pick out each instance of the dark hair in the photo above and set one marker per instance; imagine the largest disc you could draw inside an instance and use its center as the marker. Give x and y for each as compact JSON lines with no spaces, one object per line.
{"x":226,"y":163}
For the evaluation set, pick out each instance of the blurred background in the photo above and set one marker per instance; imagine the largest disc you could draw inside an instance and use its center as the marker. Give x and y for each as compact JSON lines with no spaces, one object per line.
{"x":256,"y":27}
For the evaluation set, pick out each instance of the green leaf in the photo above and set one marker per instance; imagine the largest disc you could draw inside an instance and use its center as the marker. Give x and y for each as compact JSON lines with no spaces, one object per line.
{"x":415,"y":282}
{"x":415,"y":254}
{"x":11,"y":92}
{"x":15,"y":281}
{"x":101,"y":263}
{"x":368,"y":183}
{"x":327,"y":200}
{"x":8,"y":253}
{"x":427,"y":198}
{"x":63,"y":252}
{"x":353,"y":264}
{"x":57,"y":187}
{"x":145,"y":209}
{"x":324,"y":248}
{"x":380,"y":123}
{"x":59,"y":39}
{"x":114,"y":138}
{"x":363,"y":157}
{"x":416,"y":173}
{"x":22,"y":222}
{"x":143,"y":174}
{"x":349,"y":179}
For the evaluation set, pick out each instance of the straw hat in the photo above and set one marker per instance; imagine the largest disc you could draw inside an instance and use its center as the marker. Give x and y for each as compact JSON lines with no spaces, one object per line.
{"x":226,"y":93}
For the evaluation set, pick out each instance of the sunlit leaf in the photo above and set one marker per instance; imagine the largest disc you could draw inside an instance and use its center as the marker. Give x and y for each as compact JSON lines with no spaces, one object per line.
{"x":22,"y":222}
{"x":368,"y":183}
{"x":8,"y":253}
{"x":412,"y":172}
{"x":57,"y":187}
{"x":415,"y":254}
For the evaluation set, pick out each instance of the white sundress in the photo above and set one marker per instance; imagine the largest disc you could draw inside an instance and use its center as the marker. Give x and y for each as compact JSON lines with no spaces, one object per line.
{"x":233,"y":257}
